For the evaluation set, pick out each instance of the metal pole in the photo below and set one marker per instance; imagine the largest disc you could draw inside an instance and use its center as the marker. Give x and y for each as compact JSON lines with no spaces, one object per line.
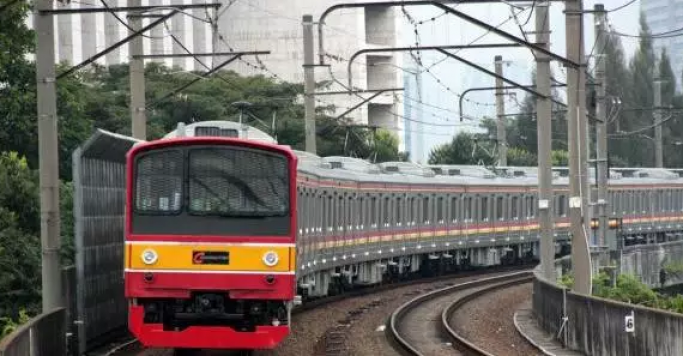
{"x":585,"y":144}
{"x":48,"y":146}
{"x":601,"y":125}
{"x":137,"y":78}
{"x":659,"y":150}
{"x":544,"y":124}
{"x":309,"y":84}
{"x":581,"y":263}
{"x":501,"y":121}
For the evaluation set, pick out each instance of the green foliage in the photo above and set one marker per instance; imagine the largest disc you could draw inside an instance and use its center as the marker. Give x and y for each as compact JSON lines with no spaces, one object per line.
{"x":385,"y":146}
{"x":520,"y":157}
{"x":630,"y":289}
{"x":559,"y":158}
{"x":8,"y":325}
{"x":567,"y":280}
{"x":464,"y":149}
{"x":19,"y":241}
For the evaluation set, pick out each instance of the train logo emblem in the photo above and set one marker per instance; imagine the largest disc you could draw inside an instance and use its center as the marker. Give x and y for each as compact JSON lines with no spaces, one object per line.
{"x":210,"y":258}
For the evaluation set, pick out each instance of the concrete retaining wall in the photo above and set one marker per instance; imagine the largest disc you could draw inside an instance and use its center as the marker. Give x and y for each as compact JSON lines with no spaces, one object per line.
{"x":597,"y":326}
{"x":647,"y":261}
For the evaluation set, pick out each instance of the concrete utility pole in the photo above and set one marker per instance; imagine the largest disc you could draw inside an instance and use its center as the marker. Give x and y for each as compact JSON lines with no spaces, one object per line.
{"x":137,"y":79}
{"x":48,"y":156}
{"x":600,"y":19}
{"x":659,"y":149}
{"x":501,"y":120}
{"x":544,"y":124}
{"x":309,"y":84}
{"x":581,"y":262}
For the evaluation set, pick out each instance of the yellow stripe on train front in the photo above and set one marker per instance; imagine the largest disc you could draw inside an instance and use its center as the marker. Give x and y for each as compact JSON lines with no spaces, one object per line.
{"x":213,"y":257}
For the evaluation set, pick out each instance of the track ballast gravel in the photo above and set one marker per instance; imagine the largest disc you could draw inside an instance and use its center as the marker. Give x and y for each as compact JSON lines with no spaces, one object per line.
{"x":488,"y":322}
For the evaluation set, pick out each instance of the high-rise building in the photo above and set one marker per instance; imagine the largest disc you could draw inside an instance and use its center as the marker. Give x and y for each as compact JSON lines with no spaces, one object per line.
{"x":665,"y":16}
{"x":276,"y":26}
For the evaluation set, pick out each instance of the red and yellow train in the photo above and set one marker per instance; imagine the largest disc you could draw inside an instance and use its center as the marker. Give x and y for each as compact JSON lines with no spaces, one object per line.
{"x":225,"y":229}
{"x":210,"y":242}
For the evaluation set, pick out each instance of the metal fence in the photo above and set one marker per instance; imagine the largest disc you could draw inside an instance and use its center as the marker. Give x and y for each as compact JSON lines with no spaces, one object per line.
{"x":596,"y":326}
{"x":41,"y":336}
{"x":99,"y":171}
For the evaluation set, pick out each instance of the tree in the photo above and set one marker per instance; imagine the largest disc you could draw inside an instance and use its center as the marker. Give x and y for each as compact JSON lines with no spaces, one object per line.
{"x":671,"y":131}
{"x":524,"y":128}
{"x":520,"y":157}
{"x":19,"y":242}
{"x":385,"y":146}
{"x":559,"y":158}
{"x":464,"y":149}
{"x":639,"y":99}
{"x":618,"y":81}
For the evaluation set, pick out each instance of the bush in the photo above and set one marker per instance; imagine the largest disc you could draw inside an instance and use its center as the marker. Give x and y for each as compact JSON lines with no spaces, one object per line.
{"x":8,"y":325}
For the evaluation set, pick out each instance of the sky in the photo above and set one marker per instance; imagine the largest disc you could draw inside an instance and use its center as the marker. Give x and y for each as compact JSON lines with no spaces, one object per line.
{"x":441,"y":99}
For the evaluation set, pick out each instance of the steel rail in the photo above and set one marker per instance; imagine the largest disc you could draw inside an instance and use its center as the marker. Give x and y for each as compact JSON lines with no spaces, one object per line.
{"x":404,"y":346}
{"x":447,"y":313}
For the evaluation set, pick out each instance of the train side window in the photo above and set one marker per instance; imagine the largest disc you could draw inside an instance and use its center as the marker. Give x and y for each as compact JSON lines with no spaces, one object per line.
{"x":361,"y":212}
{"x":425,"y":209}
{"x":455,"y":209}
{"x":385,"y":211}
{"x":562,"y":205}
{"x":529,"y":206}
{"x":500,"y":203}
{"x":484,"y":205}
{"x":467,"y":209}
{"x":399,"y":211}
{"x":409,"y":210}
{"x":514,"y":208}
{"x":439,"y":210}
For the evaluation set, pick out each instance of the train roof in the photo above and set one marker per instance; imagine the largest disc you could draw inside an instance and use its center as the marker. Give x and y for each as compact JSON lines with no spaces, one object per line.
{"x":355,"y":169}
{"x":221,"y":129}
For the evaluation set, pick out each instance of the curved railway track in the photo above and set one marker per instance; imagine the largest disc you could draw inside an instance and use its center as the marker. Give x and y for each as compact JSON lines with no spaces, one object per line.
{"x":131,"y":348}
{"x":422,"y":326}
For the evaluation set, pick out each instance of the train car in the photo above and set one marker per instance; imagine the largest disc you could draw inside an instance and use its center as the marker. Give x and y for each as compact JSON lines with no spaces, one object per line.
{"x":210,"y":242}
{"x":348,"y":223}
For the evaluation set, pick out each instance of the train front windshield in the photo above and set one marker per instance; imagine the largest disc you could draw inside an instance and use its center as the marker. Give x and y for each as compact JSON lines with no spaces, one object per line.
{"x":211,"y":190}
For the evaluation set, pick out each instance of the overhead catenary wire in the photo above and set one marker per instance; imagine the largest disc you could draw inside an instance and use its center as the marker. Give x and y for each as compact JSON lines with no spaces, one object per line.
{"x":629,"y":3}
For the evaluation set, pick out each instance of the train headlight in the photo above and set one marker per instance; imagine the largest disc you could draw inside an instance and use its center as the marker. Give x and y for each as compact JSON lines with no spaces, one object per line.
{"x":149,"y":256}
{"x":270,"y":258}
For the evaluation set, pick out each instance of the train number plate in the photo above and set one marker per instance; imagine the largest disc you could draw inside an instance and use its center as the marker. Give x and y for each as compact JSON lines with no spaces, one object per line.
{"x":210,"y":257}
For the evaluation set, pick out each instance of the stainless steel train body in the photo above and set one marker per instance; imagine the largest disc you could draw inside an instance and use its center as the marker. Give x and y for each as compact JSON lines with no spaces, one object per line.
{"x":357,"y":220}
{"x":360,"y":221}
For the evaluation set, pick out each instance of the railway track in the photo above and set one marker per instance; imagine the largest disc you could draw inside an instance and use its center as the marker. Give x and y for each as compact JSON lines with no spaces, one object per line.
{"x":422,"y":326}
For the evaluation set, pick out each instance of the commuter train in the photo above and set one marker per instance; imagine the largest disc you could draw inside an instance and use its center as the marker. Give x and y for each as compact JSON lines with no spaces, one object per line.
{"x":345,"y":223}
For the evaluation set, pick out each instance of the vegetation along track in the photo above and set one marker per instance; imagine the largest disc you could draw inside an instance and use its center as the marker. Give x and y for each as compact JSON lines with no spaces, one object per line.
{"x":421,"y":326}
